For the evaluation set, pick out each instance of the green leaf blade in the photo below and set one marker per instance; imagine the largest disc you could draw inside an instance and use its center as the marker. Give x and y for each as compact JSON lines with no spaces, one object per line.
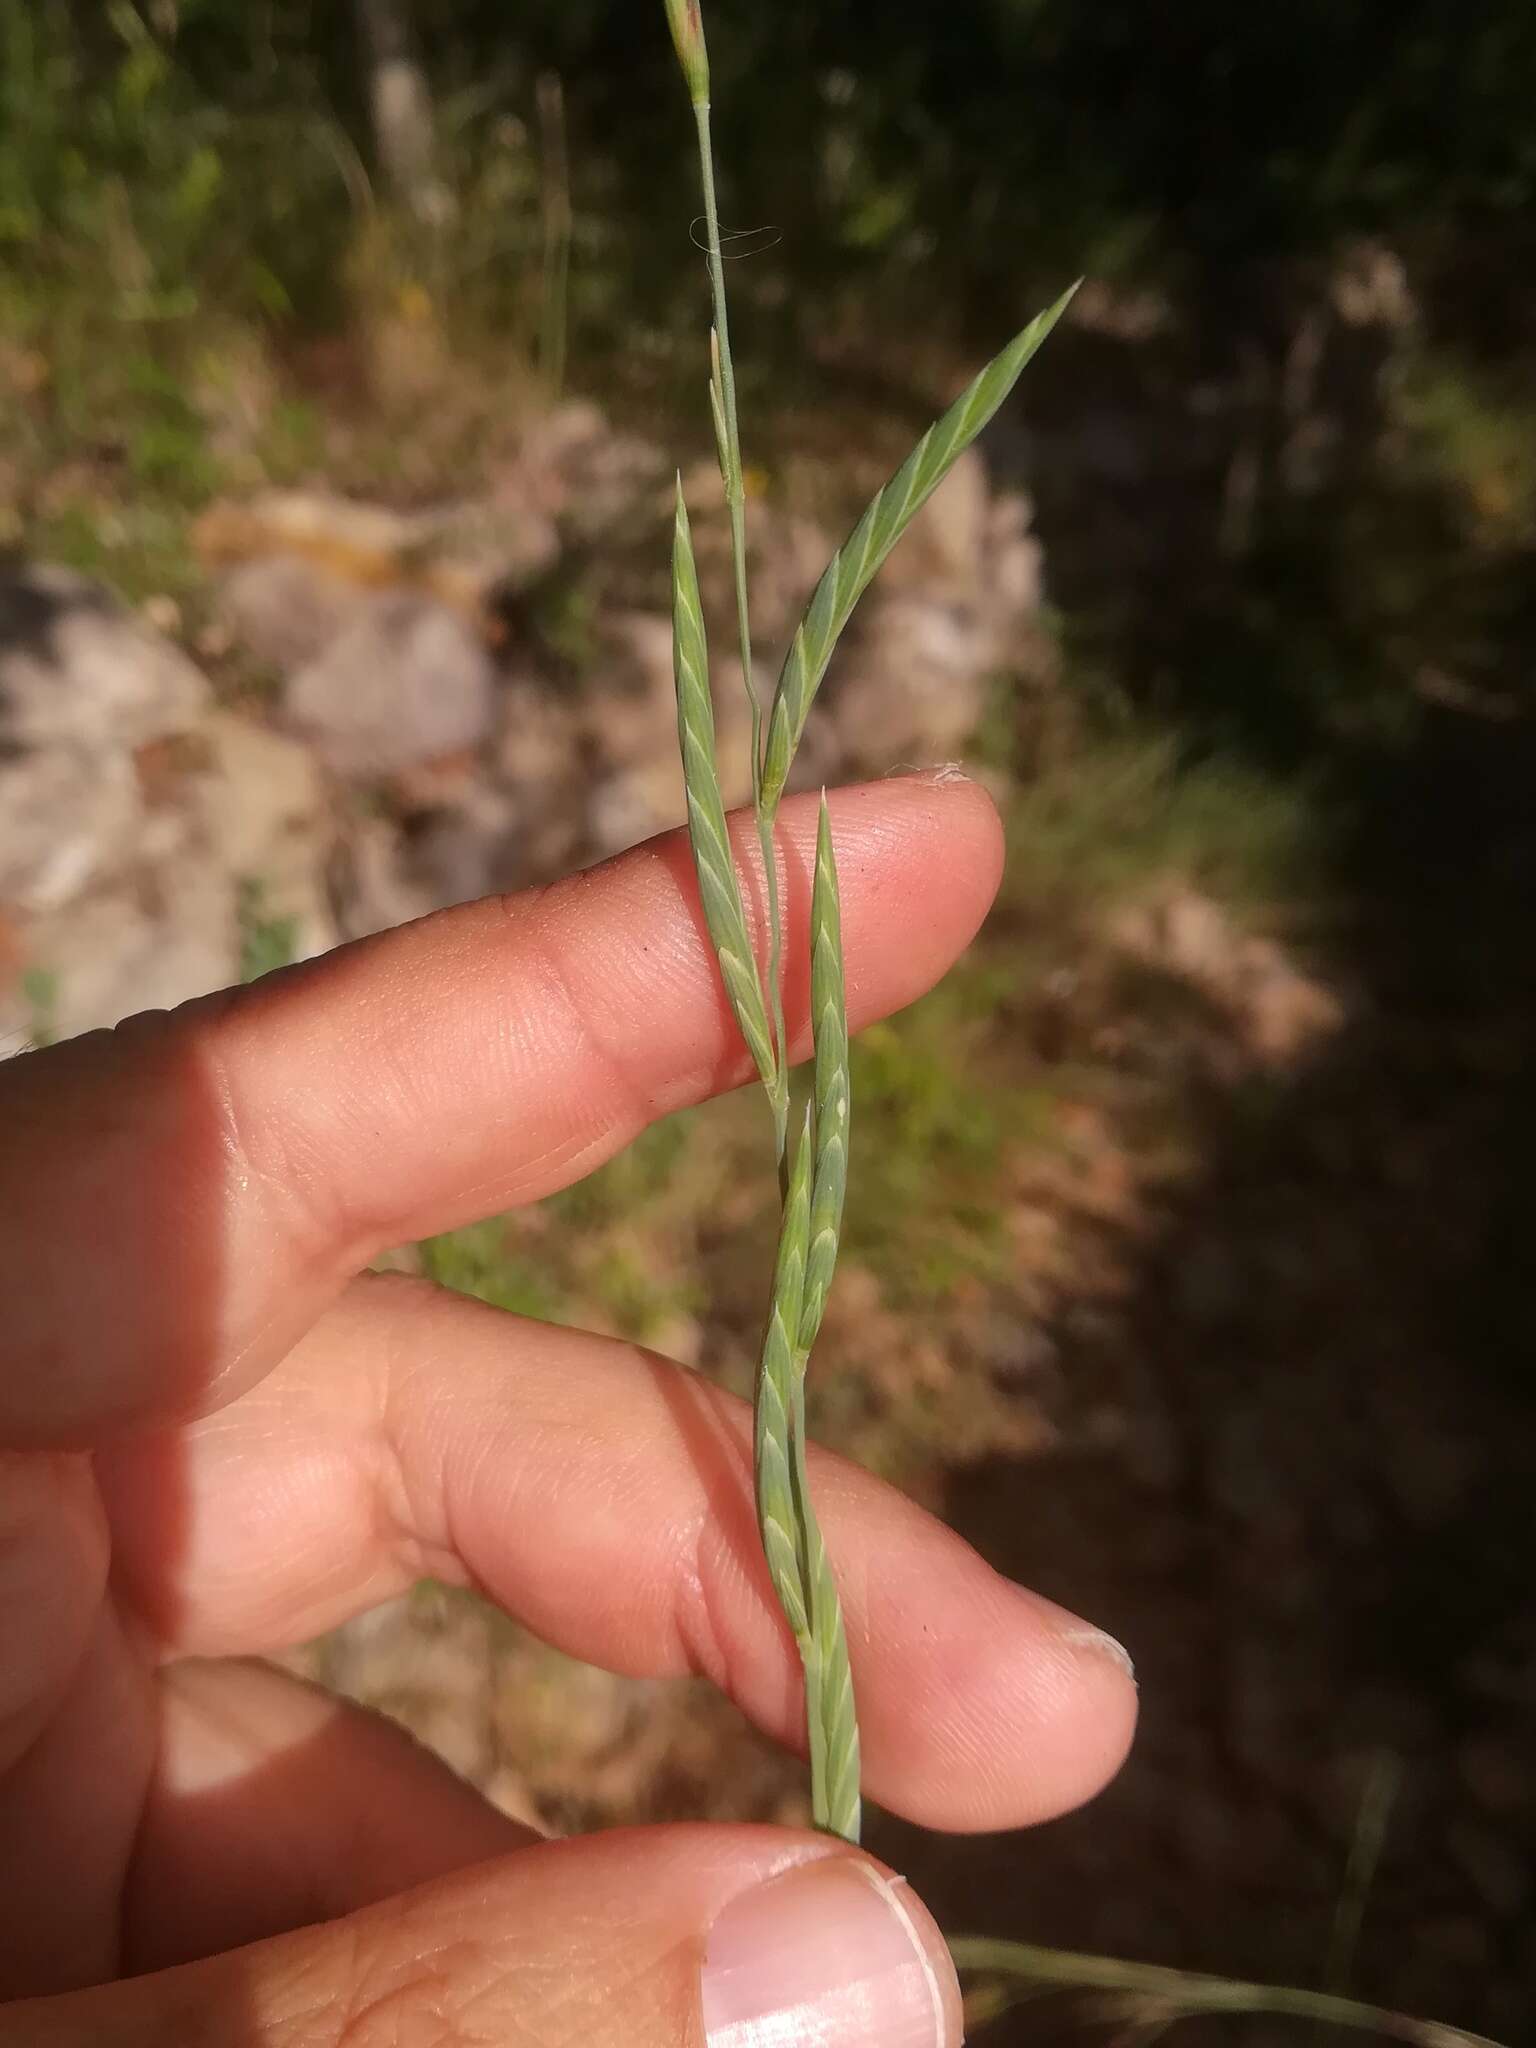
{"x":1180,"y":1994}
{"x":719,"y":890}
{"x":889,"y":514}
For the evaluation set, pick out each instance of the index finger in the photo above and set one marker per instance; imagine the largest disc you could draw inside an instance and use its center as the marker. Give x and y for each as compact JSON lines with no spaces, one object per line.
{"x":181,"y":1198}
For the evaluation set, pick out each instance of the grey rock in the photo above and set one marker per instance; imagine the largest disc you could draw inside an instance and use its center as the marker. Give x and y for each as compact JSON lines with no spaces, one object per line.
{"x":1015,"y":573}
{"x":575,"y":470}
{"x":145,"y":942}
{"x":465,"y":848}
{"x":943,"y":551}
{"x":915,"y":687}
{"x":479,"y":550}
{"x":645,"y":798}
{"x":77,"y":668}
{"x":407,"y":682}
{"x":629,"y":710}
{"x":152,"y":919}
{"x":68,"y":813}
{"x":263,"y":817}
{"x":374,"y":890}
{"x":284,"y":612}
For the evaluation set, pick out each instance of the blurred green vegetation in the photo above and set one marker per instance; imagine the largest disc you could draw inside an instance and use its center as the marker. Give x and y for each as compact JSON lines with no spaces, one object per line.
{"x":176,"y":160}
{"x":203,"y":271}
{"x":179,"y":158}
{"x":267,"y":941}
{"x":481,"y":1261}
{"x":201,"y":263}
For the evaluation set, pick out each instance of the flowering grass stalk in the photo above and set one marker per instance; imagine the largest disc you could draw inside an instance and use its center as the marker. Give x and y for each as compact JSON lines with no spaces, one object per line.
{"x":813,"y":1174}
{"x":813,"y":1170}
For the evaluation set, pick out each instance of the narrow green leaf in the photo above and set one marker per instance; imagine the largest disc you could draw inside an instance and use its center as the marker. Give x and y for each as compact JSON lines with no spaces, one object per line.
{"x":1183,"y":1993}
{"x":829,"y":1028}
{"x":854,"y":566}
{"x":719,"y":890}
{"x":778,"y":1505}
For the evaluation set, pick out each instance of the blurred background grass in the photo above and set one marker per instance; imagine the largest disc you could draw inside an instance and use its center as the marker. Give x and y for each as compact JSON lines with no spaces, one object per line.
{"x":1186,"y":1278}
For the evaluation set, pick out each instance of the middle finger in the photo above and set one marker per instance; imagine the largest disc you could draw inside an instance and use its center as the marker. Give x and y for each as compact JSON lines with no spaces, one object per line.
{"x":604,"y":1498}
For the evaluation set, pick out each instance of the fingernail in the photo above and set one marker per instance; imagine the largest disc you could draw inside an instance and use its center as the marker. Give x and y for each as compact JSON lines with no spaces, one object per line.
{"x":1103,"y":1644}
{"x":831,"y":1955}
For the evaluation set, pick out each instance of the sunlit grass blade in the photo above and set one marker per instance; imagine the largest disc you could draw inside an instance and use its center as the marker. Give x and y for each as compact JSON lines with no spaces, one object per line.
{"x":1381,"y":1790}
{"x":890,"y":513}
{"x":1181,"y":1994}
{"x":719,"y":890}
{"x":778,"y":1496}
{"x":829,"y":1027}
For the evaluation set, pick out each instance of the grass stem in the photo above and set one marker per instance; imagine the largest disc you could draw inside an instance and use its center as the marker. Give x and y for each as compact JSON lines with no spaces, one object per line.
{"x":723,"y":387}
{"x":1180,"y":1994}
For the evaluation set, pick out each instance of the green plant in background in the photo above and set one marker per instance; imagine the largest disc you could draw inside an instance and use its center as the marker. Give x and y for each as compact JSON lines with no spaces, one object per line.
{"x":812,"y":1145}
{"x":40,"y":993}
{"x":478,"y":1260}
{"x":266,"y":942}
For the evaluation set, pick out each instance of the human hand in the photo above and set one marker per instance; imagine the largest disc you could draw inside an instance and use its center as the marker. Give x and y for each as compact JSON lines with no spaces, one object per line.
{"x":219,"y":1437}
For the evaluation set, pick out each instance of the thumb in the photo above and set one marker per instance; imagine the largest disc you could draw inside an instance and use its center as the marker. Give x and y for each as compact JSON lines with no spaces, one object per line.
{"x":677,"y":1937}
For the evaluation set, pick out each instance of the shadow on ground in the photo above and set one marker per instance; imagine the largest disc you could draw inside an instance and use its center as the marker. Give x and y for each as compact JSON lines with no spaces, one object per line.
{"x":1297,"y":1459}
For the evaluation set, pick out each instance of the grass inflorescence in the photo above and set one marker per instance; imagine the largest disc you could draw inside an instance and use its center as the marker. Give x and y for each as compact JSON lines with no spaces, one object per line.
{"x":813,"y":1148}
{"x":813,"y":1173}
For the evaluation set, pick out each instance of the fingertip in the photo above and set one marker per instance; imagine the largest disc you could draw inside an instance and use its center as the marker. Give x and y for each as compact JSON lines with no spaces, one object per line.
{"x":943,"y":804}
{"x":1095,"y":1722}
{"x":919,"y":858}
{"x":1000,"y":1710}
{"x":1076,"y":1684}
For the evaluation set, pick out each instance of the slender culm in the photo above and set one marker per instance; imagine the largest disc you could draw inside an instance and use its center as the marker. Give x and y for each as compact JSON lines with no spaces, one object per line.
{"x":1182,"y":1994}
{"x":688,"y":35}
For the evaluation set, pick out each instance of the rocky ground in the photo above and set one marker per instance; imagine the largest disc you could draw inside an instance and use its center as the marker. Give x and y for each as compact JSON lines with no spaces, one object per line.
{"x":1187,"y":1334}
{"x":380,"y":712}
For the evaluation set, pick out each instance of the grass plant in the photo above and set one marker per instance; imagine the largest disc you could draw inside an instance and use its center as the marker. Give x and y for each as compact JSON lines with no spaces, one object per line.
{"x":812,"y":1145}
{"x":812,"y":1173}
